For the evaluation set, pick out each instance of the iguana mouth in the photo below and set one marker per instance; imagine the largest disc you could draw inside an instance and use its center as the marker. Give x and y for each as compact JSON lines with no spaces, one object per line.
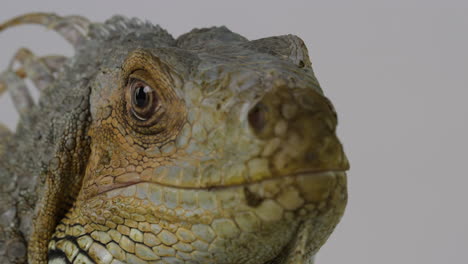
{"x":270,"y":197}
{"x":305,"y":173}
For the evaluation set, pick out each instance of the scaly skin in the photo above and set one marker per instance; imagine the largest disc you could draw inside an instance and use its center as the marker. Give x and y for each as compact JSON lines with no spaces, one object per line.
{"x":237,"y":163}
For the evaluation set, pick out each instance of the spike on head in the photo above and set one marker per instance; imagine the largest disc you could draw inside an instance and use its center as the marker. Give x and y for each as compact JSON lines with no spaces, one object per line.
{"x":288,"y":47}
{"x":74,"y":28}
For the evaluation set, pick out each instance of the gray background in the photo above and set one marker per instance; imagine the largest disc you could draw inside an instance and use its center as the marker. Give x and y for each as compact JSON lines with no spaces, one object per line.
{"x":397,"y":74}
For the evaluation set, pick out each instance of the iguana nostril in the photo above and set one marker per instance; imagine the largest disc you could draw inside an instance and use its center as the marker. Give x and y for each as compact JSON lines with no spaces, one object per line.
{"x":257,"y":117}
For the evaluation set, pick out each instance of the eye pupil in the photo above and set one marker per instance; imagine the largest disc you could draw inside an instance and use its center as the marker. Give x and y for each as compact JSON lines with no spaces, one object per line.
{"x":143,"y":100}
{"x":141,"y":96}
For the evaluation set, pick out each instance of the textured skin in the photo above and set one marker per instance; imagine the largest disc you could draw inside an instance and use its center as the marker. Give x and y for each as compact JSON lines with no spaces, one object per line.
{"x":240,"y":164}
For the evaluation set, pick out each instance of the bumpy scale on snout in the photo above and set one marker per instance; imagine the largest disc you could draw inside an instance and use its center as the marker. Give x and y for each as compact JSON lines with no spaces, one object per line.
{"x":205,"y":149}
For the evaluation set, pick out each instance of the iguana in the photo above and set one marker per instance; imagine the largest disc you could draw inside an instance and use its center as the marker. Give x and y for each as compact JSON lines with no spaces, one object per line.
{"x":144,"y":148}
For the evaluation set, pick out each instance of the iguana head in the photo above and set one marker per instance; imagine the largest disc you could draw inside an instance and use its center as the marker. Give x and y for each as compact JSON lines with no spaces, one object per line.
{"x":230,"y":139}
{"x":209,"y":148}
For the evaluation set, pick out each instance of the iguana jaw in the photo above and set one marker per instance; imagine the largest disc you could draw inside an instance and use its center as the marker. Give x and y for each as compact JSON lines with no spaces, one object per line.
{"x":262,"y":216}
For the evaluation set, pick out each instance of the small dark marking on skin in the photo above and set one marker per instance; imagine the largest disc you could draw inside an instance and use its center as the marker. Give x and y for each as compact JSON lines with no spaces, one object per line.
{"x":301,"y":64}
{"x":257,"y":118}
{"x":106,"y":158}
{"x":58,"y":254}
{"x":253,"y":200}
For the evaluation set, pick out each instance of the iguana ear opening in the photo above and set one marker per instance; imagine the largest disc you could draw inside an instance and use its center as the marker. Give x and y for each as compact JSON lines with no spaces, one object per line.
{"x":287,"y":47}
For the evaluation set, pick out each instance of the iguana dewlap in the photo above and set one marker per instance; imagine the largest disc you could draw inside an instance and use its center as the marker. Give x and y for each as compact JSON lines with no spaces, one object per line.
{"x":208,"y":148}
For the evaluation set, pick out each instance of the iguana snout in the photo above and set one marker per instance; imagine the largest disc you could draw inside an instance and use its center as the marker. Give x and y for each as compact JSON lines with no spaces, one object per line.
{"x":298,"y":126}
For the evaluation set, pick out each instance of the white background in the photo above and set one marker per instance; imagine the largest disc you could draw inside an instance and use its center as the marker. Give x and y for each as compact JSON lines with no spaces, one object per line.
{"x":398,"y":76}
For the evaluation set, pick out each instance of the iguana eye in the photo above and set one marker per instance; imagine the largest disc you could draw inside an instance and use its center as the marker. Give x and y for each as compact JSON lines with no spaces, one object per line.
{"x":144,"y":100}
